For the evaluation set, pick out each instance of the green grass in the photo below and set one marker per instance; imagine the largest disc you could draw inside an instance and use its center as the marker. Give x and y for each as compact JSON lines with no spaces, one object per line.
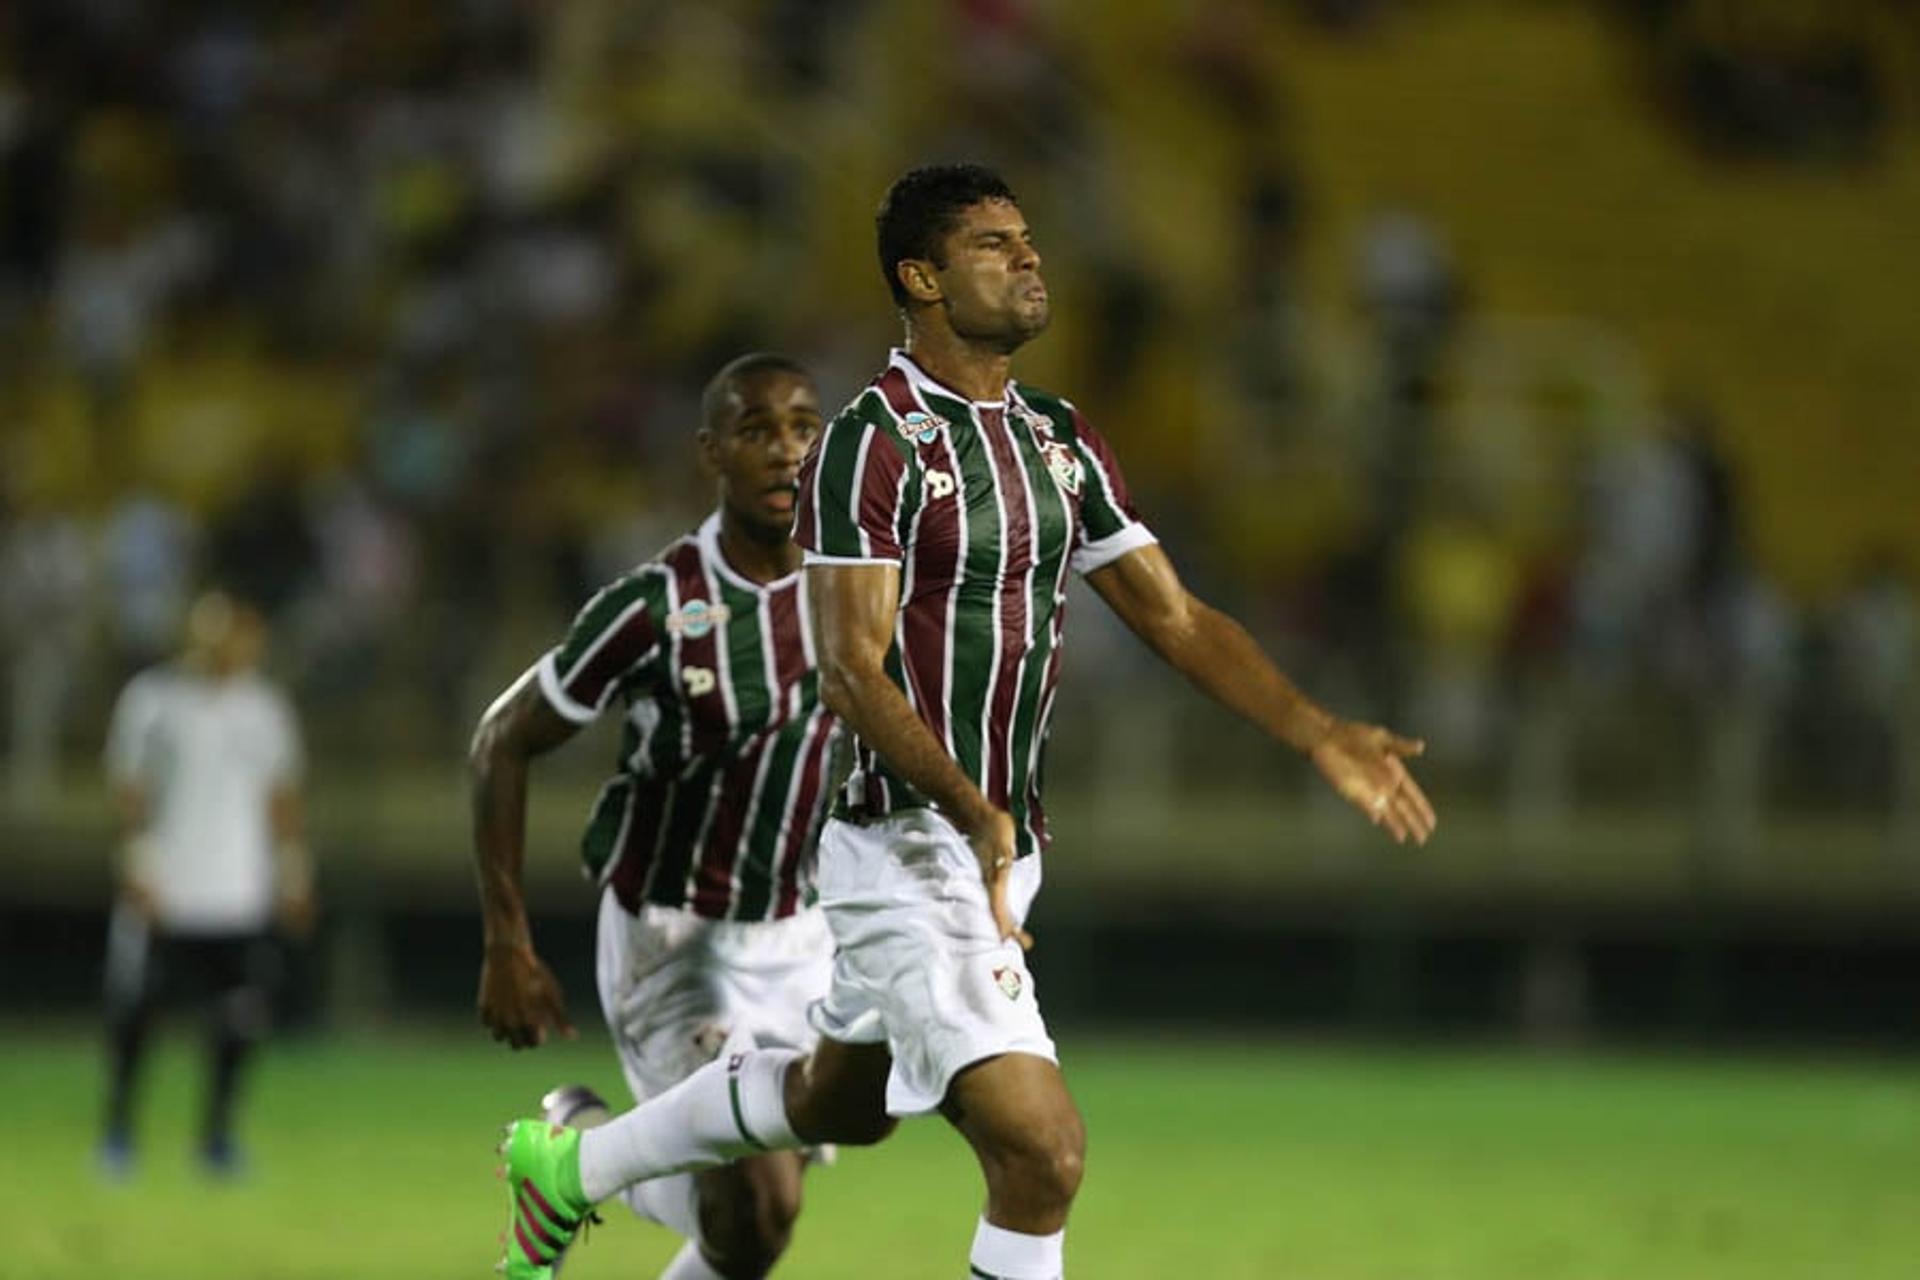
{"x":372,"y":1158}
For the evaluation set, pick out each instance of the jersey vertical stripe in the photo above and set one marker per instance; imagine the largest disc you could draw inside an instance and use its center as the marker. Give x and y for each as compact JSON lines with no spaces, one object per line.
{"x":720,"y":790}
{"x":998,"y":501}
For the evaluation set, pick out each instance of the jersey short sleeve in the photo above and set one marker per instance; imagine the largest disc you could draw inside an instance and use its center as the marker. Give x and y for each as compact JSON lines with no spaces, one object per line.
{"x":612,"y":640}
{"x":852,"y":490}
{"x":1109,"y":526}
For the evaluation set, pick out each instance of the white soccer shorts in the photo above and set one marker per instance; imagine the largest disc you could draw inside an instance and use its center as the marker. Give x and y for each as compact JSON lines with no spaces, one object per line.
{"x":918,"y":963}
{"x":674,"y":986}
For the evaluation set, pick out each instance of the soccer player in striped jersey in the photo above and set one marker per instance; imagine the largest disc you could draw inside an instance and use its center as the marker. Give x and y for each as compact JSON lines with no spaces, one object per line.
{"x":940,"y":513}
{"x":703,"y":840}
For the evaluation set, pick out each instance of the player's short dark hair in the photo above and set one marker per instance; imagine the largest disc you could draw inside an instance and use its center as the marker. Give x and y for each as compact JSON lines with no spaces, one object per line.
{"x":922,"y":206}
{"x":713,"y":401}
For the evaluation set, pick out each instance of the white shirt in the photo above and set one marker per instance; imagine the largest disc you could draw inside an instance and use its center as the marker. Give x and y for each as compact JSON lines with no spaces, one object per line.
{"x":208,"y":754}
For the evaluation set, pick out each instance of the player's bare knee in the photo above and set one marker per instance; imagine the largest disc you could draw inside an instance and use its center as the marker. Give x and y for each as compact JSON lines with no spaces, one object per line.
{"x":1043,"y":1168}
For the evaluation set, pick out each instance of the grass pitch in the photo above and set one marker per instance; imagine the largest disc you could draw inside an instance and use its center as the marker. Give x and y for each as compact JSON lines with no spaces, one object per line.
{"x":372,"y":1159}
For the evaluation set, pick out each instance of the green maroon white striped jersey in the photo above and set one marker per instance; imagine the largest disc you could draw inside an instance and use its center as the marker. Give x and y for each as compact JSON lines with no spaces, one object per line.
{"x":722,"y":781}
{"x":984,"y":506}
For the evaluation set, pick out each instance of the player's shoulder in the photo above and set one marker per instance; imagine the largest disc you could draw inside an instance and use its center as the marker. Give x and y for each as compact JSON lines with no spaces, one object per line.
{"x":685,"y":551}
{"x":644,"y":585}
{"x":870,"y":411}
{"x":157,"y":683}
{"x":1056,"y":408}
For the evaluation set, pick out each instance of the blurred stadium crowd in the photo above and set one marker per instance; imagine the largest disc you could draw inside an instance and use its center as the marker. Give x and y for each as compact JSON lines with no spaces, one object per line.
{"x":394,"y":317}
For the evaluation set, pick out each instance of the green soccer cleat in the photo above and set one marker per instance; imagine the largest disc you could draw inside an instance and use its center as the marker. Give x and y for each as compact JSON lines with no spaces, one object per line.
{"x":546,"y":1207}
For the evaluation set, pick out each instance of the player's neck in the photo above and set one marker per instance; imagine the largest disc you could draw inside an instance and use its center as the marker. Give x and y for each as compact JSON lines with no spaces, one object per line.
{"x":753,"y":555}
{"x":976,"y":372}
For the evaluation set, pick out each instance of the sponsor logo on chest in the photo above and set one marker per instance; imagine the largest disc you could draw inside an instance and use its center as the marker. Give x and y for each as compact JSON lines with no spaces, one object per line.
{"x":922,"y":428}
{"x":696,"y":618}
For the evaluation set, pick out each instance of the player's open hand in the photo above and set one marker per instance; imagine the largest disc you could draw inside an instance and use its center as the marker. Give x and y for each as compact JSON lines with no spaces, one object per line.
{"x":520,"y":999}
{"x":993,"y":844}
{"x":1364,"y":763}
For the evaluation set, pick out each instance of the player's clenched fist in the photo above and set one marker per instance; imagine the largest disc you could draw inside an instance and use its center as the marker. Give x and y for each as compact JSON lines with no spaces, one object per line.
{"x":520,"y":1000}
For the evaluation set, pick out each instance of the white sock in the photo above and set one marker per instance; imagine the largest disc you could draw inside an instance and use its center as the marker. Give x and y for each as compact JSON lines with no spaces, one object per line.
{"x":690,"y":1264}
{"x":732,"y":1107}
{"x":1000,"y":1254}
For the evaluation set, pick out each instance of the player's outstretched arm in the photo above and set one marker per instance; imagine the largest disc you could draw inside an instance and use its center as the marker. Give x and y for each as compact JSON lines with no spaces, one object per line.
{"x":520,"y":1000}
{"x":1364,"y":763}
{"x":853,"y":608}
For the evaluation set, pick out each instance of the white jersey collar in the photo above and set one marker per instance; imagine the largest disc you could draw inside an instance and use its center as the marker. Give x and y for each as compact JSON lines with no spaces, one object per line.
{"x":708,"y":536}
{"x":923,"y":381}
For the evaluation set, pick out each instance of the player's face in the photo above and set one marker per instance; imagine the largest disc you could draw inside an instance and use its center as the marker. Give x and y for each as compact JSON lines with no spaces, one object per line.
{"x":991,"y":286}
{"x":772,"y":420}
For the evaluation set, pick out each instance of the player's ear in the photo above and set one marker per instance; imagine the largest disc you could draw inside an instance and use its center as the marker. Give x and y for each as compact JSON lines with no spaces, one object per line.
{"x":709,"y":443}
{"x":917,"y":278}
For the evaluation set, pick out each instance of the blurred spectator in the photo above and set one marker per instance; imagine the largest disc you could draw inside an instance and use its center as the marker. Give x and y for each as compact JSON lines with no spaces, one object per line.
{"x":46,"y":576}
{"x":1854,"y":715}
{"x":147,"y":557}
{"x":1773,"y":77}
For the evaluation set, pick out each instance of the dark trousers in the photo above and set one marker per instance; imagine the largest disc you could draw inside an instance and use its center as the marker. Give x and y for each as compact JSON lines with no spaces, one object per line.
{"x":231,"y":973}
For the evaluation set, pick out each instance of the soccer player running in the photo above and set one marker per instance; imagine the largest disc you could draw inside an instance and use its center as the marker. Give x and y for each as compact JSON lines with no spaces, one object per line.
{"x":940,"y":514}
{"x":703,"y":840}
{"x":204,"y":759}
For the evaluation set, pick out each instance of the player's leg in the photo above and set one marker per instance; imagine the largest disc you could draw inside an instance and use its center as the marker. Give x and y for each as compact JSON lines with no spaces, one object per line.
{"x":238,"y":972}
{"x":666,"y":980}
{"x":964,"y":1024}
{"x":131,"y":983}
{"x":741,"y":1105}
{"x":747,"y":1212}
{"x":733,"y":1108}
{"x":1016,"y":1113}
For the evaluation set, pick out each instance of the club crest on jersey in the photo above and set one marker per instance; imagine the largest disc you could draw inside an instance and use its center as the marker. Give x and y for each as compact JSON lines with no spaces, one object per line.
{"x":1068,"y":471}
{"x":1007,"y":978}
{"x":1036,"y":421}
{"x":699,"y":681}
{"x":922,"y":428}
{"x":696,"y":618}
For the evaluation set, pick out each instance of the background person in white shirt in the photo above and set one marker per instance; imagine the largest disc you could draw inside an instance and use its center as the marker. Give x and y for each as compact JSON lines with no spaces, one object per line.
{"x":204,"y":760}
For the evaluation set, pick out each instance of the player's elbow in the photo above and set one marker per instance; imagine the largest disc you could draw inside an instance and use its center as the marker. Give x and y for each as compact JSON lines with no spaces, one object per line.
{"x":843,"y":680}
{"x":492,"y":742}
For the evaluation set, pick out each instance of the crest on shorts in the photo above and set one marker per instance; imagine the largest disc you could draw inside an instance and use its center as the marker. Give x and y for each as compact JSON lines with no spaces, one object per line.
{"x":696,"y":618}
{"x":1068,"y":471}
{"x":922,"y":428}
{"x":1007,"y":978}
